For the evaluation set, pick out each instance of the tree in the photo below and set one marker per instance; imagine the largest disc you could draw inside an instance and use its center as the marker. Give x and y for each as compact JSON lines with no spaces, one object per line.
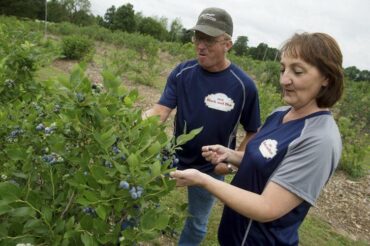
{"x":33,"y":9}
{"x":175,"y":30}
{"x":186,"y":35}
{"x":124,"y":18}
{"x":109,"y":17}
{"x":57,"y":12}
{"x":241,"y":46}
{"x":152,"y":27}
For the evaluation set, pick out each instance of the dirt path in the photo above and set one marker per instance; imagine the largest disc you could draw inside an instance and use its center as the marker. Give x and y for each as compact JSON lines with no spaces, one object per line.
{"x":344,"y":204}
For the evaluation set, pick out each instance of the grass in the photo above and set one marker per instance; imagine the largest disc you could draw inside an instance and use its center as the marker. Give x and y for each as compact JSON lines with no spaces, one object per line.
{"x":50,"y":72}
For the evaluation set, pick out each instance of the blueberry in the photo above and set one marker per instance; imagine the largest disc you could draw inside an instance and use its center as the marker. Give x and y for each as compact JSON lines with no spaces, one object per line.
{"x":133,"y":190}
{"x":80,"y":97}
{"x":134,"y":195}
{"x":40,"y":127}
{"x":116,"y":150}
{"x":48,"y":130}
{"x":124,"y":185}
{"x":108,"y":164}
{"x":57,"y":108}
{"x":123,"y":158}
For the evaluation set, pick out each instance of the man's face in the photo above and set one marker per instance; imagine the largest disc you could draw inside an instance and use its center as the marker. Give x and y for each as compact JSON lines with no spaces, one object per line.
{"x":211,"y":51}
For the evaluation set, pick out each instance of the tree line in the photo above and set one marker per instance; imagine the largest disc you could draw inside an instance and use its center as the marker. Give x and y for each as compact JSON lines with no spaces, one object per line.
{"x":124,"y":18}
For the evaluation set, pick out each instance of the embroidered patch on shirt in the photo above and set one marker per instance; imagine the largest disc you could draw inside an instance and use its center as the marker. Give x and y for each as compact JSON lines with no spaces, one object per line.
{"x":219,"y":101}
{"x":268,"y":148}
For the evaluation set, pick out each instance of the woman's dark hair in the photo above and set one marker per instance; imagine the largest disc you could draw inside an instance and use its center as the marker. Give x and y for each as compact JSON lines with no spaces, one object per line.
{"x":323,"y":52}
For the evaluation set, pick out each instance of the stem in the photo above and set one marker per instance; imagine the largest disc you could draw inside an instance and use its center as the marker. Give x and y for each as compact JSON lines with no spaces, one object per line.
{"x":38,"y":211}
{"x":68,"y":205}
{"x":52,"y":183}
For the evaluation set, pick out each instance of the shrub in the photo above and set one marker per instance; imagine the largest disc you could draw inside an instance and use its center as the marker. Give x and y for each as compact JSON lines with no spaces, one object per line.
{"x":77,"y":47}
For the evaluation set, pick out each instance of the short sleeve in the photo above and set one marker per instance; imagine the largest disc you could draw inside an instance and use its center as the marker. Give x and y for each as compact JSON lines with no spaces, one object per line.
{"x":169,"y":95}
{"x":308,"y":165}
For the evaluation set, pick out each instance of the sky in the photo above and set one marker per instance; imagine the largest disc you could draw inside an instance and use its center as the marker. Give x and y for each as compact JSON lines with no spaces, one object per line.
{"x":273,"y":21}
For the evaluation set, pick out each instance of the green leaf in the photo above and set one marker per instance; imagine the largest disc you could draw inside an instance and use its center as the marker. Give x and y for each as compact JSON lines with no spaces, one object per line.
{"x":91,"y":196}
{"x":155,"y":169}
{"x":110,"y":81}
{"x":9,"y":191}
{"x":133,"y":161}
{"x":98,"y":173}
{"x":154,"y":219}
{"x":106,"y":139}
{"x":184,"y":138}
{"x":16,"y":154}
{"x":23,"y":212}
{"x":162,"y":221}
{"x":100,"y":210}
{"x":88,"y":240}
{"x":154,"y":148}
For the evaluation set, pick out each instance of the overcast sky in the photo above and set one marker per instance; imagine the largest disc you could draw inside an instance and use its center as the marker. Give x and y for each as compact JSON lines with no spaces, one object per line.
{"x":273,"y":21}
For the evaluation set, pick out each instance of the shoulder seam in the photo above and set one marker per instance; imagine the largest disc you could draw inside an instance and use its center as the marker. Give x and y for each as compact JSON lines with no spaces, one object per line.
{"x":186,"y":68}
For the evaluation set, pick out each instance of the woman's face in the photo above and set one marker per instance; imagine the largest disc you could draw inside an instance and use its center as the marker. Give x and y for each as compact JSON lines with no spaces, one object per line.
{"x":301,"y":82}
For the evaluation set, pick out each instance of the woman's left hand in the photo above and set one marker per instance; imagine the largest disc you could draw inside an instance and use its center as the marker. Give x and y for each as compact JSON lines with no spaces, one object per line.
{"x":188,"y":177}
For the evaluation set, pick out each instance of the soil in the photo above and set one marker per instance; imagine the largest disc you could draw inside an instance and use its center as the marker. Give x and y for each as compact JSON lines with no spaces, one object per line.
{"x":343,"y":203}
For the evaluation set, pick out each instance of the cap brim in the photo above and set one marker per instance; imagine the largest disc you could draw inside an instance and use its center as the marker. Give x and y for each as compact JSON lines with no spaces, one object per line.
{"x":211,"y":31}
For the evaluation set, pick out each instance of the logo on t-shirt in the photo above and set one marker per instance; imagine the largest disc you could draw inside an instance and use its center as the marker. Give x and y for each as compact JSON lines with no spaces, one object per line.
{"x":219,"y":101}
{"x":268,"y":148}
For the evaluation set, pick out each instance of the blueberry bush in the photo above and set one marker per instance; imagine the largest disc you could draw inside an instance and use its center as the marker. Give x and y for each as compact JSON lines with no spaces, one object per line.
{"x":78,"y":164}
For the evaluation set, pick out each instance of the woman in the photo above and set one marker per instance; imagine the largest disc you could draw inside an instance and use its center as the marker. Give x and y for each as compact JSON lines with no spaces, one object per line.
{"x":290,"y":159}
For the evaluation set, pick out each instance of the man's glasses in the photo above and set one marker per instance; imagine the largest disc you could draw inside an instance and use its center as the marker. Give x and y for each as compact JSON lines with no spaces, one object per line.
{"x":206,"y":40}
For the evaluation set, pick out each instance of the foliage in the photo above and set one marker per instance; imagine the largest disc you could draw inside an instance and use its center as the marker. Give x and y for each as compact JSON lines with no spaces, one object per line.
{"x":152,"y":27}
{"x":240,"y":46}
{"x":77,"y":47}
{"x":124,"y":18}
{"x":34,"y":9}
{"x":355,"y":74}
{"x":79,"y":165}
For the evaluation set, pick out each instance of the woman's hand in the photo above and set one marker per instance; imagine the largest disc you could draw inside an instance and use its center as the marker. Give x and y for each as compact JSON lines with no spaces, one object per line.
{"x":215,"y":153}
{"x":188,"y":177}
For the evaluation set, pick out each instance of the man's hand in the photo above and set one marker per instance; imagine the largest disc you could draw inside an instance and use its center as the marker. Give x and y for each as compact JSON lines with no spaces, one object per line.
{"x":215,"y":153}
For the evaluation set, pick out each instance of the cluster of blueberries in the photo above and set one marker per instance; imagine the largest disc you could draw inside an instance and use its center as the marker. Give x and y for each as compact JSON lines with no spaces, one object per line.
{"x":89,"y":210}
{"x":52,"y":159}
{"x":165,"y":156}
{"x":117,"y":151}
{"x":80,"y":97}
{"x":135,"y":192}
{"x":48,"y":130}
{"x":15,"y":133}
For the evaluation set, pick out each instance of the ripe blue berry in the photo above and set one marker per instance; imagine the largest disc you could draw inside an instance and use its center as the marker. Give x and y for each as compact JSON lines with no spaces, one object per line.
{"x":80,"y":97}
{"x":40,"y":127}
{"x":124,"y":185}
{"x":134,"y":195}
{"x":116,"y":150}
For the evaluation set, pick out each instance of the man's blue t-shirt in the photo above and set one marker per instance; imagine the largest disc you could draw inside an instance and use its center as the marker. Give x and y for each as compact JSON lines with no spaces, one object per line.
{"x":215,"y":101}
{"x":299,"y":155}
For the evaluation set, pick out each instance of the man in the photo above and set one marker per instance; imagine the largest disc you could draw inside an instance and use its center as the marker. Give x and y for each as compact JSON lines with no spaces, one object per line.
{"x":213,"y":93}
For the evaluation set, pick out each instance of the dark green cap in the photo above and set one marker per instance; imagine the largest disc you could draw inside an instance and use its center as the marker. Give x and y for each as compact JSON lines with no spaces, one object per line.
{"x":214,"y":22}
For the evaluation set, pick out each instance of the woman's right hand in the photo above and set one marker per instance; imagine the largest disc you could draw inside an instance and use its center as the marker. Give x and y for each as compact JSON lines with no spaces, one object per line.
{"x":216,"y":153}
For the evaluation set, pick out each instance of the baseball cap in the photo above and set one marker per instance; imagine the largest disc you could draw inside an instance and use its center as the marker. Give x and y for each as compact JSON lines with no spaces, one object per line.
{"x":214,"y":22}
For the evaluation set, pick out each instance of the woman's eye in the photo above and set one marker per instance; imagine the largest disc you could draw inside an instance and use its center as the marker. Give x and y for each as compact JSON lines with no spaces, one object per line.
{"x":282,"y":70}
{"x":298,"y":72}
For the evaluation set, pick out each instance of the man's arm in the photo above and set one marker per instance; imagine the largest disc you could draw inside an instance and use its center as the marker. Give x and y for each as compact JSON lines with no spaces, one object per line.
{"x":246,"y":139}
{"x":162,"y":111}
{"x":226,"y":168}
